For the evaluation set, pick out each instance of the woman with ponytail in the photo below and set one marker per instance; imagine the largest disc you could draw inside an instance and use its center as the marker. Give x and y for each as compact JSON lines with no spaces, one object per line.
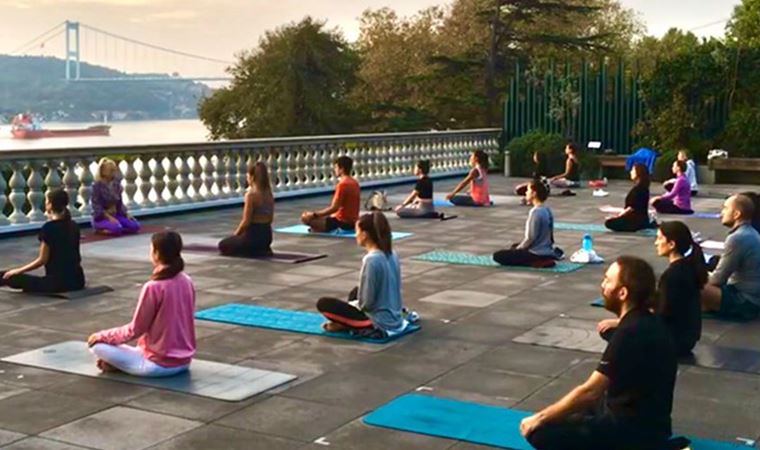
{"x":680,"y":286}
{"x":375,"y":308}
{"x":163,"y":321}
{"x":59,"y":253}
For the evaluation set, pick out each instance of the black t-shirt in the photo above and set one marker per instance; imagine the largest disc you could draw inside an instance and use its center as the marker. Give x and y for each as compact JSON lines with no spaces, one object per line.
{"x":679,"y":304}
{"x":64,"y":263}
{"x":424,"y":188}
{"x":638,"y":199}
{"x":640,"y":362}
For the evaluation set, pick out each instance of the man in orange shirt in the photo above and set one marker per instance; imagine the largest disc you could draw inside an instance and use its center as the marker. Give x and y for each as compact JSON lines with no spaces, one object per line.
{"x":343,"y":212}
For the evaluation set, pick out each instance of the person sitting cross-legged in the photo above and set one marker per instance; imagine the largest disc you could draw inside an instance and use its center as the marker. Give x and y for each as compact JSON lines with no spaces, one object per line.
{"x":537,"y":247}
{"x":733,"y":290}
{"x":678,"y":199}
{"x":627,"y":401}
{"x":419,"y":204}
{"x":344,"y":209}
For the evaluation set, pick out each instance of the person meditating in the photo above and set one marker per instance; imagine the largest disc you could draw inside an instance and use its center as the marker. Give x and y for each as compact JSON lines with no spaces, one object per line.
{"x":635,"y":216}
{"x":733,"y":290}
{"x":109,"y":215}
{"x":540,"y":172}
{"x":419,"y":204}
{"x":571,"y":177}
{"x":253,"y":236}
{"x":344,"y":209}
{"x":627,"y":401}
{"x":59,"y":253}
{"x":678,"y":200}
{"x":537,"y":247}
{"x":477,"y":180}
{"x":163,"y":321}
{"x":690,"y":173}
{"x":679,"y":288}
{"x":375,"y":308}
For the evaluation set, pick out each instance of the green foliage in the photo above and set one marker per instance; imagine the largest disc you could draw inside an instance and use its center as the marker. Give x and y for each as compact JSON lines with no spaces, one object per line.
{"x":521,"y":150}
{"x":37,"y":84}
{"x":663,"y":168}
{"x":744,"y":27}
{"x":296,"y":83}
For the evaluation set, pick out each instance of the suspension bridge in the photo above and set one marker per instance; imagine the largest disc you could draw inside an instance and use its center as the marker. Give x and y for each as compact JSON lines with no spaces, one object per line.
{"x":131,"y":60}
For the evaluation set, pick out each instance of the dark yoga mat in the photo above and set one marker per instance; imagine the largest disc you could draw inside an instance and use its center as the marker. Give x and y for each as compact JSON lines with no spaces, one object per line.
{"x":70,"y":295}
{"x":588,"y":340}
{"x":205,"y":378}
{"x":472,"y":422}
{"x":91,"y":236}
{"x":279,"y":257}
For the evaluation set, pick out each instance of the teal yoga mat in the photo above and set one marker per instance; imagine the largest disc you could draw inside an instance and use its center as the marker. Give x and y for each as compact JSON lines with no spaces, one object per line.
{"x":596,"y":228}
{"x":282,"y":319}
{"x":304,"y":230}
{"x":472,"y":422}
{"x":468,"y":259}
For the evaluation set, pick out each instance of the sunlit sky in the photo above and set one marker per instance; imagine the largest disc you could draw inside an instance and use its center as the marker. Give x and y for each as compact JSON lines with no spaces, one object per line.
{"x":220,"y":28}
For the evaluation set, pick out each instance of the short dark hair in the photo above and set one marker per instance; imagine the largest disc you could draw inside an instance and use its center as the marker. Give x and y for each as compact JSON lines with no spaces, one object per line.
{"x":345,"y":163}
{"x":572,"y":146}
{"x":637,"y":276}
{"x":539,"y":188}
{"x":424,"y":166}
{"x":745,"y":205}
{"x":681,"y":165}
{"x":59,"y":201}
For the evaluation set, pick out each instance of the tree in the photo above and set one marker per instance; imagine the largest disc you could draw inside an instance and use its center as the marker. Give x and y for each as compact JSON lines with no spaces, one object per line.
{"x":744,"y":27}
{"x":296,"y":83}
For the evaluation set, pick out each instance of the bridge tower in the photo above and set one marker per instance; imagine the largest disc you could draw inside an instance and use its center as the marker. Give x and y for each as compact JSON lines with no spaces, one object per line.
{"x":72,"y":51}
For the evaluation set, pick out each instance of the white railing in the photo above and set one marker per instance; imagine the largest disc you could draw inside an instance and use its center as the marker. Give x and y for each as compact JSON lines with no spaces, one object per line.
{"x":161,"y":179}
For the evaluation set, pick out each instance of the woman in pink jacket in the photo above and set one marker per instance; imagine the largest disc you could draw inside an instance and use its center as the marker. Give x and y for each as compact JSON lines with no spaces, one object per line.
{"x":162,"y":323}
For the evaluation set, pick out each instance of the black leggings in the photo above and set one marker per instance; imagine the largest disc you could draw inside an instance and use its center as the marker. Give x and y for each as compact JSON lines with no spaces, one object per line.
{"x":515,"y":257}
{"x":418,"y":213}
{"x":256,"y":241}
{"x":668,"y":207}
{"x":42,"y":285}
{"x":590,"y":432}
{"x":464,"y":200}
{"x":344,"y":313}
{"x":628,"y":222}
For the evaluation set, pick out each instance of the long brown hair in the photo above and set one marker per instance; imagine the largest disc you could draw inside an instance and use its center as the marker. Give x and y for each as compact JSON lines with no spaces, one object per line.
{"x":642,"y":175}
{"x":168,"y":245}
{"x":260,"y":175}
{"x":378,"y":229}
{"x":482,"y":158}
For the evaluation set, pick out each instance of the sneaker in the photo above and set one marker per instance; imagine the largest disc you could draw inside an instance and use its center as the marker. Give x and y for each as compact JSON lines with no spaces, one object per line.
{"x":600,"y":193}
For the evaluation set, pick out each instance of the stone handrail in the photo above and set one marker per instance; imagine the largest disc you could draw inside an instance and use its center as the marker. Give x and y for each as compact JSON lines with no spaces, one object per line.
{"x":161,"y":179}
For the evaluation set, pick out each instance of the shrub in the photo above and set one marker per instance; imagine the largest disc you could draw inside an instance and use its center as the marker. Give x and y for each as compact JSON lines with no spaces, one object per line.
{"x":521,"y":150}
{"x":663,"y":166}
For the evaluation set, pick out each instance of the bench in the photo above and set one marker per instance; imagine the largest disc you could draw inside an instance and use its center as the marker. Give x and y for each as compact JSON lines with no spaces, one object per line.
{"x":611,"y":162}
{"x":737,"y":170}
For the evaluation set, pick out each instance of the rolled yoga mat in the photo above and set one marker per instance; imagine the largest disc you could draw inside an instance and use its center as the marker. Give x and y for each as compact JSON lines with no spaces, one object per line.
{"x":204,"y":378}
{"x":469,"y":259}
{"x":472,"y":422}
{"x":306,"y":322}
{"x":304,"y":231}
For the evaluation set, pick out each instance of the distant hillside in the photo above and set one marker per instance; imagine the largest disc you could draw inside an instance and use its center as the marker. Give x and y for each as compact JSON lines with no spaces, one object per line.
{"x":37,"y":84}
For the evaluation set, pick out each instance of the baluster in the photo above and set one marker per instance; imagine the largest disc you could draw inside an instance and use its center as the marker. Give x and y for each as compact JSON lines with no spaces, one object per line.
{"x":3,"y":199}
{"x":252,"y":159}
{"x":35,"y":195}
{"x":145,"y":184}
{"x":287,"y":167}
{"x":231,"y":170}
{"x":53,"y":178}
{"x":208,"y":178}
{"x":184,"y":178}
{"x":280,"y":158}
{"x":242,"y":170}
{"x":220,"y":175}
{"x":159,"y":183}
{"x":197,"y":182}
{"x":173,"y":174}
{"x":85,"y":186}
{"x":71,"y":186}
{"x":317,"y":170}
{"x":18,"y":196}
{"x":130,"y":187}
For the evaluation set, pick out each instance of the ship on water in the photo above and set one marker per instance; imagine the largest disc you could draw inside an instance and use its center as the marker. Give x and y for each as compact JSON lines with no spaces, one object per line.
{"x":25,"y":126}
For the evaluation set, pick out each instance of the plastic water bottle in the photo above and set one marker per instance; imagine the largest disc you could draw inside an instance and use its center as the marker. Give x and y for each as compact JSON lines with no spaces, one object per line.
{"x":587,"y":244}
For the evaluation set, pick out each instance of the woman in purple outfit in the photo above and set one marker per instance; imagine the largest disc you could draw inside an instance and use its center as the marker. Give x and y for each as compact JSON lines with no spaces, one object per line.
{"x":109,"y":215}
{"x":678,"y":200}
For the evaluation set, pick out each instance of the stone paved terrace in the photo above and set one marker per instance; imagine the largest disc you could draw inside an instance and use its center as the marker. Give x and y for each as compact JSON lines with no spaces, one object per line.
{"x":464,"y":350}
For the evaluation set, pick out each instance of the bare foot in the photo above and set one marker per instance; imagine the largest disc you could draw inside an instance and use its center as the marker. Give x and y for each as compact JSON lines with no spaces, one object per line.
{"x":333,"y":327}
{"x":105,"y":367}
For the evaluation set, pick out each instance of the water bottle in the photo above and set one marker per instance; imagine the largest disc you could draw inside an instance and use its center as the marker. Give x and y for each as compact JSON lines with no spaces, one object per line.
{"x":587,"y":244}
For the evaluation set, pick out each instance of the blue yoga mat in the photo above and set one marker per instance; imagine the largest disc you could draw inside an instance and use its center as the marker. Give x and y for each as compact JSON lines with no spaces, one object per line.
{"x":304,"y":230}
{"x":596,"y":228}
{"x":282,"y":319}
{"x":442,"y":203}
{"x":472,"y":422}
{"x":468,"y":259}
{"x":703,"y":215}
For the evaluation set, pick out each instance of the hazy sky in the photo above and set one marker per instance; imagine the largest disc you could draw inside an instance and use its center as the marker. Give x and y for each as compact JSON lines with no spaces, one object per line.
{"x":219,"y":28}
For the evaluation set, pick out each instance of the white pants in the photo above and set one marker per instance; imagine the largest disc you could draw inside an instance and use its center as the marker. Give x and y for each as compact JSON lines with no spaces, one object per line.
{"x":131,"y":360}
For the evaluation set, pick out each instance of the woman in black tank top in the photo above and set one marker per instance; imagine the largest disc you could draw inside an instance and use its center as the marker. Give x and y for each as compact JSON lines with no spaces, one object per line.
{"x":571,"y":177}
{"x":253,"y":236}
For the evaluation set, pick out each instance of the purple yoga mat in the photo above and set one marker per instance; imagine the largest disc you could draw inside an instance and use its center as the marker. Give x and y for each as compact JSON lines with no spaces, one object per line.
{"x":280,"y":257}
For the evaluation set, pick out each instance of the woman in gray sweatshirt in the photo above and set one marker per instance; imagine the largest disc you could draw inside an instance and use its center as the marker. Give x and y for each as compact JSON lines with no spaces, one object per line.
{"x":537,"y":247}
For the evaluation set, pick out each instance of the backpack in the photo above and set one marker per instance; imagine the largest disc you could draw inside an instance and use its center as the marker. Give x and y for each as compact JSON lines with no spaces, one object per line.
{"x":377,"y":201}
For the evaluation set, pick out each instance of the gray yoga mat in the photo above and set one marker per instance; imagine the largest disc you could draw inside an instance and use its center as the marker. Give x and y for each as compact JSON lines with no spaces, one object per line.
{"x":69,"y":295}
{"x":205,"y":378}
{"x":586,"y":339}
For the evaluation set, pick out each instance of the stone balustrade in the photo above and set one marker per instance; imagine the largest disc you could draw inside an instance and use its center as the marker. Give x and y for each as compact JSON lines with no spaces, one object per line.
{"x":178,"y":177}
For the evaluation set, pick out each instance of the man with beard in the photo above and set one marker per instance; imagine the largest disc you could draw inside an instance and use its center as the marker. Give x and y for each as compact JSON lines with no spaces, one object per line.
{"x":733,"y":290}
{"x":626,"y":403}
